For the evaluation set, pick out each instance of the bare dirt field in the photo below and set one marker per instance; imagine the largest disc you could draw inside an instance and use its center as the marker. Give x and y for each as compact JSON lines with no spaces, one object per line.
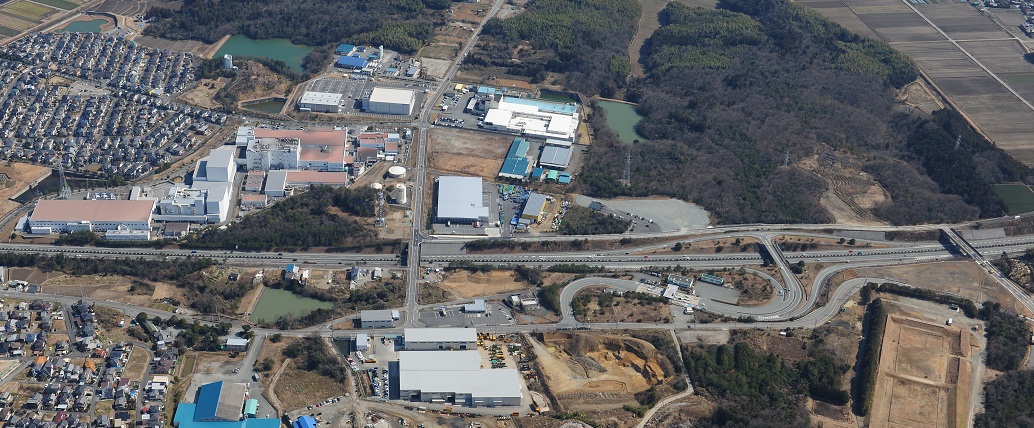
{"x":192,"y":46}
{"x":110,"y":287}
{"x":469,"y":12}
{"x":435,"y":68}
{"x":606,"y":308}
{"x":15,"y":178}
{"x":298,"y":388}
{"x":851,"y":194}
{"x":202,"y":94}
{"x":595,"y":373}
{"x":464,"y":284}
{"x":127,"y":7}
{"x":32,"y":275}
{"x":925,"y":374}
{"x":450,"y":151}
{"x":965,"y":279}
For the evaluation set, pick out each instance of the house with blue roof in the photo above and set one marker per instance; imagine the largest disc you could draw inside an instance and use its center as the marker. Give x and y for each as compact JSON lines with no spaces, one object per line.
{"x":305,"y":421}
{"x":220,"y":405}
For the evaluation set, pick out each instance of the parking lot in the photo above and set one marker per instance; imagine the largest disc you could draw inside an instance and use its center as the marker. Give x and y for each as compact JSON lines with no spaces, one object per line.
{"x":453,"y":316}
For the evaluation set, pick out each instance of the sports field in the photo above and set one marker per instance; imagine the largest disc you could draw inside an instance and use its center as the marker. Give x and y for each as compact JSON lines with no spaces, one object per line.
{"x":30,"y":10}
{"x":1018,"y":198}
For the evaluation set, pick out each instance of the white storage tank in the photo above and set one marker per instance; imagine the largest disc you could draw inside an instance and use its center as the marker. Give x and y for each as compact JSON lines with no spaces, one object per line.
{"x":400,"y":194}
{"x":397,"y":172}
{"x":377,"y":186}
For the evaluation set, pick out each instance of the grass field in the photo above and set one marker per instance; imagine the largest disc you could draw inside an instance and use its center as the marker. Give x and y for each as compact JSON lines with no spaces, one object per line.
{"x":8,"y":31}
{"x":60,"y":4}
{"x":29,"y":10}
{"x":1018,"y":198}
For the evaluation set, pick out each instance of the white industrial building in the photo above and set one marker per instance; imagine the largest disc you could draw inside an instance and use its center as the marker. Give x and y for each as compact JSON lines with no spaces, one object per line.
{"x":390,"y":101}
{"x":460,"y":199}
{"x":218,"y":166}
{"x":55,"y":216}
{"x":276,"y":184}
{"x":534,"y":118}
{"x":384,"y":318}
{"x":203,"y":202}
{"x":440,"y":339}
{"x":456,"y":377}
{"x":264,"y":154}
{"x":321,"y":102}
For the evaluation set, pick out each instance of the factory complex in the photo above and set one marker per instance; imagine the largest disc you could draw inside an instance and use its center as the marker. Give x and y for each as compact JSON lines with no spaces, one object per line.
{"x":445,"y":365}
{"x":533,"y":118}
{"x":273,"y":161}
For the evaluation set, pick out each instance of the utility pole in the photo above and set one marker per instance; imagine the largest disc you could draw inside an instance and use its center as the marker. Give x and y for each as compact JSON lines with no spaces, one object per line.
{"x":626,"y":177}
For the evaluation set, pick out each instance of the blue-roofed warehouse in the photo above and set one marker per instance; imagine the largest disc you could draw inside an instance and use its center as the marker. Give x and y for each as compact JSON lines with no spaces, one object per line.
{"x":351,"y":62}
{"x":516,"y":164}
{"x":219,"y":405}
{"x":344,"y":49}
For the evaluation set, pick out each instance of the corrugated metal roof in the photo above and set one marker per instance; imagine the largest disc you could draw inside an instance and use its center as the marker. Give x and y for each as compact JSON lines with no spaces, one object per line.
{"x":351,"y":62}
{"x":555,"y":156}
{"x":207,"y":401}
{"x":514,"y":167}
{"x":534,"y":205}
{"x":461,"y":198}
{"x":93,"y":210}
{"x":418,"y":335}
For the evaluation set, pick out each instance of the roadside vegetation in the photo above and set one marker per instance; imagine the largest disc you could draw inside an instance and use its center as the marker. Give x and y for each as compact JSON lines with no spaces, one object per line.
{"x":320,"y":217}
{"x":728,"y":92}
{"x":403,"y":25}
{"x":1009,"y":398}
{"x":174,"y":270}
{"x":869,"y":363}
{"x":580,"y":220}
{"x":311,"y":354}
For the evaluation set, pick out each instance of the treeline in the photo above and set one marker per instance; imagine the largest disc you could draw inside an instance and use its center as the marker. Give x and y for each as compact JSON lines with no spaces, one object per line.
{"x":1008,"y":401}
{"x":575,"y":268}
{"x":152,"y":270}
{"x":403,"y":25}
{"x":752,"y":389}
{"x":965,"y":305}
{"x":301,"y":221}
{"x":585,"y":40}
{"x":580,"y":220}
{"x":311,"y":354}
{"x":730,"y":91}
{"x":1007,"y":338}
{"x":869,"y":363}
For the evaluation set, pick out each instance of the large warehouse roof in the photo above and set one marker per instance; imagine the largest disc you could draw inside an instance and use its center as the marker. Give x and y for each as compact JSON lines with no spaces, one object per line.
{"x":321,"y":98}
{"x":461,"y":198}
{"x":351,"y":62}
{"x":455,"y":371}
{"x":312,"y":137}
{"x":417,"y":335}
{"x":391,"y":95}
{"x":93,"y":211}
{"x":439,"y":360}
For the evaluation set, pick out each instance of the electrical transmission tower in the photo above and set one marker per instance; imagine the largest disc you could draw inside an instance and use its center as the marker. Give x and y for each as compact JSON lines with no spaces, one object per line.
{"x":786,"y":157}
{"x":958,"y":141}
{"x":66,"y":192}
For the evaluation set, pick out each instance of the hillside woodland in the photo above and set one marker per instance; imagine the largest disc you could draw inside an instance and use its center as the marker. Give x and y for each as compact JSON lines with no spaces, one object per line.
{"x":728,"y":92}
{"x":403,"y":25}
{"x":585,"y":40}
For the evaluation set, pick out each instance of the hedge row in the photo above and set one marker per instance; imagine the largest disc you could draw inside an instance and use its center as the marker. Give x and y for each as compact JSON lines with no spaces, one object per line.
{"x":869,"y":366}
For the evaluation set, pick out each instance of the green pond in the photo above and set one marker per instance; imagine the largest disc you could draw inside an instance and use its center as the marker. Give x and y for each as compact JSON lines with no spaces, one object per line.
{"x":281,"y":49}
{"x":275,"y":303}
{"x":268,"y":107}
{"x":555,"y":96}
{"x":93,"y":26}
{"x":622,"y":118}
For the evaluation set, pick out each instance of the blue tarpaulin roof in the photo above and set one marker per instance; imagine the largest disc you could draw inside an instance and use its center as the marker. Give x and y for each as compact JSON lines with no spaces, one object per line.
{"x":351,"y":62}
